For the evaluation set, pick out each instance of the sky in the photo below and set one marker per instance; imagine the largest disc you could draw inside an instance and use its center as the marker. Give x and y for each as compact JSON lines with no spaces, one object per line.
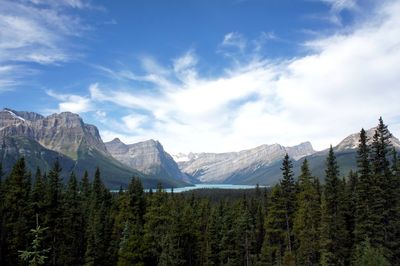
{"x":206,"y":75}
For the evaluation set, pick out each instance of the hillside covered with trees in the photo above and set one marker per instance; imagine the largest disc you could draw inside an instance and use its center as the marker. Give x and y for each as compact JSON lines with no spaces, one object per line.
{"x":351,"y":219}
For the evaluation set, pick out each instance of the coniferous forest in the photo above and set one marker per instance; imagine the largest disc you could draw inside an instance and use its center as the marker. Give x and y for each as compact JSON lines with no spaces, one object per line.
{"x":347,"y":219}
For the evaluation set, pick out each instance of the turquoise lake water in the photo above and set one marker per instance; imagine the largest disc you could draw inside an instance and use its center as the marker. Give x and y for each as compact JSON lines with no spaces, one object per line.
{"x":208,"y":186}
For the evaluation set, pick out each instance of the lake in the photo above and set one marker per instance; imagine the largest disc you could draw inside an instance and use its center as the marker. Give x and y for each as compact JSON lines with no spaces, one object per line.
{"x":203,"y":186}
{"x":211,"y":186}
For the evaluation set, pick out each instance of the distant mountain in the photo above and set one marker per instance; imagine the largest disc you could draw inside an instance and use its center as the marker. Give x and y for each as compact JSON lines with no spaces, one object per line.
{"x":150,"y":158}
{"x":79,"y":147}
{"x":239,"y":167}
{"x":65,"y":136}
{"x":262,"y":164}
{"x":346,"y":155}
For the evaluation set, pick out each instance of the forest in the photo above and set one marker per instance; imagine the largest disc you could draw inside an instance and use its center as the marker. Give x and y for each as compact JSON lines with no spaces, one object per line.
{"x":346,"y":219}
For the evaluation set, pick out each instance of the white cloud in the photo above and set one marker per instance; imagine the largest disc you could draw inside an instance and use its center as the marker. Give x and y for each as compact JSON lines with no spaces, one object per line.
{"x":337,"y":6}
{"x":344,"y":83}
{"x":71,"y":103}
{"x":236,"y":40}
{"x":37,"y":31}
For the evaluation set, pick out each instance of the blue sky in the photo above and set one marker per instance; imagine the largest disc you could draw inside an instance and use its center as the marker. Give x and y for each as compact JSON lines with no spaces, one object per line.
{"x":206,"y":75}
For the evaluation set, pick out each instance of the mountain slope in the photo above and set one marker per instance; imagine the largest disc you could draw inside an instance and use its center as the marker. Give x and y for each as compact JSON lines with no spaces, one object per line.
{"x":65,"y":136}
{"x":239,"y":167}
{"x":346,"y":155}
{"x":148,"y":157}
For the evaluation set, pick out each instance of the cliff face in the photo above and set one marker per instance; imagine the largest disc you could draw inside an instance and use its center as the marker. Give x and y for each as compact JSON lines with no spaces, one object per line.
{"x":222,"y":167}
{"x":148,"y":157}
{"x":64,"y":132}
{"x":42,"y":140}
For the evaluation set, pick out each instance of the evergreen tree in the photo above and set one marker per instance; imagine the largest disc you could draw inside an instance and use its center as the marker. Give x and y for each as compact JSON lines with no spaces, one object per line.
{"x":384,"y":192}
{"x":274,"y":245}
{"x":38,"y":195}
{"x":214,"y":235}
{"x":35,"y":255}
{"x":131,"y":249}
{"x":53,"y":218}
{"x":349,"y":200}
{"x":17,"y":212}
{"x":99,"y":229}
{"x":334,"y":233}
{"x":244,"y":235}
{"x":364,"y":226}
{"x":157,"y":219}
{"x":289,"y":198}
{"x":366,"y":255}
{"x":307,"y":219}
{"x":72,"y":249}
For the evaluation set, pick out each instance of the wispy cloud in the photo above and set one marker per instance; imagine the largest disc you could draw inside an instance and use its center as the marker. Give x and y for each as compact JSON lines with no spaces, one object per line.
{"x":337,"y":7}
{"x":37,"y":31}
{"x":345,"y":82}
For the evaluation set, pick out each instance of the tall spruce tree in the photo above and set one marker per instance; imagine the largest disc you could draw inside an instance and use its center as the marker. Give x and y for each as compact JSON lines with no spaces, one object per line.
{"x":53,"y":217}
{"x":99,"y":229}
{"x":289,"y":198}
{"x":384,"y":192}
{"x":38,"y":195}
{"x":274,"y":245}
{"x":334,"y":232}
{"x":17,"y":212}
{"x":72,"y":248}
{"x":307,"y":219}
{"x":131,"y":249}
{"x":350,"y":203}
{"x":364,"y":226}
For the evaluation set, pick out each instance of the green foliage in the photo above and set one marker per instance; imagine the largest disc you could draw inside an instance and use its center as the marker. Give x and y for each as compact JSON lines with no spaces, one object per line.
{"x":307,"y":219}
{"x":36,"y":255}
{"x":334,"y":235}
{"x":17,"y":212}
{"x":366,"y":255}
{"x":99,"y":224}
{"x":352,"y":221}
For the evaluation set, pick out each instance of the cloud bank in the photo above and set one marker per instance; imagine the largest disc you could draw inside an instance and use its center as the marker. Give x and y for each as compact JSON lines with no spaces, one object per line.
{"x":344,"y":82}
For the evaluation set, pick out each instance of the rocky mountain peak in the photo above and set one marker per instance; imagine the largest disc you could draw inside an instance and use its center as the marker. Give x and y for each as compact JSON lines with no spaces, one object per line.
{"x":148,"y":157}
{"x":351,"y":142}
{"x":65,"y":132}
{"x":301,"y":150}
{"x":116,"y":140}
{"x":30,"y":116}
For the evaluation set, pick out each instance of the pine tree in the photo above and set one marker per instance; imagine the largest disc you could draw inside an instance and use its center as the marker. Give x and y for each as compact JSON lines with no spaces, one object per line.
{"x":307,"y":219}
{"x":334,"y":233}
{"x":350,"y":198}
{"x":72,"y":248}
{"x":53,"y":207}
{"x":130,"y":249}
{"x":99,"y":229}
{"x":38,"y":195}
{"x":244,"y":235}
{"x":289,"y":198}
{"x":157,"y":219}
{"x":17,"y":212}
{"x":366,"y":255}
{"x":364,"y":226}
{"x":384,"y":192}
{"x":35,"y":255}
{"x":274,"y":245}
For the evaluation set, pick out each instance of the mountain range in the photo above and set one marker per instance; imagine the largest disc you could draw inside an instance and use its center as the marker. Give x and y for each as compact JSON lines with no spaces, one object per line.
{"x":79,"y":147}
